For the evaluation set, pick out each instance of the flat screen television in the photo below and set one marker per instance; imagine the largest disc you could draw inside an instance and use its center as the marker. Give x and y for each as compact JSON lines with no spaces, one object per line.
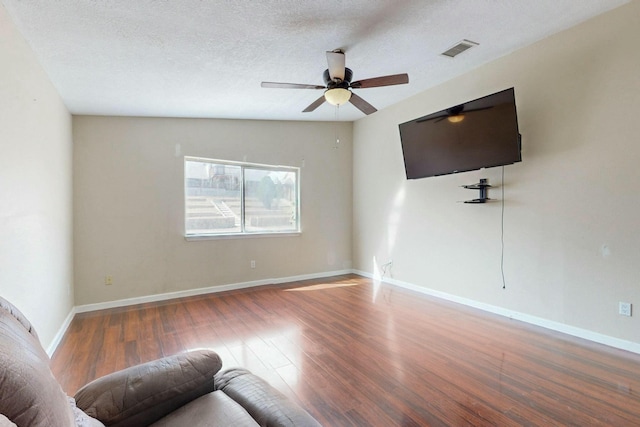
{"x":482,"y":133}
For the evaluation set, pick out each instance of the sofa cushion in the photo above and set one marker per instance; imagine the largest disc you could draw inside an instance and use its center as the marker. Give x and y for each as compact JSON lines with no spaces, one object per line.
{"x":212,"y":409}
{"x":29,"y":393}
{"x":266,"y":405}
{"x":139,"y":395}
{"x":11,"y":309}
{"x":82,"y":419}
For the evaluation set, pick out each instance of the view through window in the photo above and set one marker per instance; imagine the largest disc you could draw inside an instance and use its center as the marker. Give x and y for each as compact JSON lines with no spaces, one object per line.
{"x":224,"y":198}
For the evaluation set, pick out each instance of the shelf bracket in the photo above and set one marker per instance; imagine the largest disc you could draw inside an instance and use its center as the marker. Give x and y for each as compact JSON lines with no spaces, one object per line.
{"x":483,"y":186}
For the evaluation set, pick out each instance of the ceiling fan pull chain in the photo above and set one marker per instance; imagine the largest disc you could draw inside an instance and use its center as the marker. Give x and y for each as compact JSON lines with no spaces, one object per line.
{"x":337,"y":123}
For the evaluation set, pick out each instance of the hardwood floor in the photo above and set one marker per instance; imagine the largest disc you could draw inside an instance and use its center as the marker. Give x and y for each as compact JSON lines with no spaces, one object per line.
{"x":355,"y":353}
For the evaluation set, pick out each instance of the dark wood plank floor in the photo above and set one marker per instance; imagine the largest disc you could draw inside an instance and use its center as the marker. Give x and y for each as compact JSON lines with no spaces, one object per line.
{"x":354,"y":353}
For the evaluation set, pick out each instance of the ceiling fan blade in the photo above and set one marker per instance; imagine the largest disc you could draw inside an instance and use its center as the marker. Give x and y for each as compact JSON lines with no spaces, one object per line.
{"x":290,"y":86}
{"x":477,"y":109}
{"x":315,"y":104}
{"x":394,"y":79}
{"x":336,"y":63}
{"x":361,"y":104}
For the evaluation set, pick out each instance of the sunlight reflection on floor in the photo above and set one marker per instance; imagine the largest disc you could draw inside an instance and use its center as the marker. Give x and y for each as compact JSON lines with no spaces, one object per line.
{"x":273,"y":352}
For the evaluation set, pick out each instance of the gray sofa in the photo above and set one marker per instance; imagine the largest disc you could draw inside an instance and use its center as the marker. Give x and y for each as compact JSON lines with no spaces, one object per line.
{"x":187,"y":389}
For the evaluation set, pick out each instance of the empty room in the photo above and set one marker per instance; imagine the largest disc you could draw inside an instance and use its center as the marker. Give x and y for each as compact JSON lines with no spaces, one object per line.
{"x":340,"y":213}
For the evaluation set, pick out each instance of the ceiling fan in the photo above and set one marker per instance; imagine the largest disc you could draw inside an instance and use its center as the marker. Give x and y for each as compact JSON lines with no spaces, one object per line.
{"x":338,"y":83}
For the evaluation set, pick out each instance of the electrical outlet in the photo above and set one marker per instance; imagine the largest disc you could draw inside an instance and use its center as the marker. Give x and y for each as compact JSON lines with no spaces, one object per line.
{"x":624,"y":308}
{"x":108,"y":280}
{"x":253,"y":263}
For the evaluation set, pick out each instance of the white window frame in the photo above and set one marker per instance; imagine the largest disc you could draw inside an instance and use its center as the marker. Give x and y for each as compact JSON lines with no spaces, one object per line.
{"x":243,"y":232}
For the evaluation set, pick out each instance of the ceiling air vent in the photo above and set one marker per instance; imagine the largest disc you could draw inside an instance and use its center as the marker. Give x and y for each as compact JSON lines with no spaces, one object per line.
{"x":459,"y":48}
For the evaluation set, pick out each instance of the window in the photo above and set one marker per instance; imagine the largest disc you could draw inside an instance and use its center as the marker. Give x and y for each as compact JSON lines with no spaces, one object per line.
{"x":231,"y":198}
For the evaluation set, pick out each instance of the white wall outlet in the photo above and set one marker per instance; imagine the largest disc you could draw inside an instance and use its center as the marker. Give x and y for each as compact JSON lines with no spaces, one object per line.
{"x":253,"y":263}
{"x":624,"y":308}
{"x":108,"y":280}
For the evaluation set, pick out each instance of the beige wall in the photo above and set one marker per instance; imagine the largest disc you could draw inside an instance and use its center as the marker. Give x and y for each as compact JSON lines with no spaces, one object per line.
{"x":129,"y":204}
{"x":572,"y":233}
{"x":35,"y":188}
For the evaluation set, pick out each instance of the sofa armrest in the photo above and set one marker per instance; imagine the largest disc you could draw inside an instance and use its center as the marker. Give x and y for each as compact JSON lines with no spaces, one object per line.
{"x":142,"y":394}
{"x":263,"y":402}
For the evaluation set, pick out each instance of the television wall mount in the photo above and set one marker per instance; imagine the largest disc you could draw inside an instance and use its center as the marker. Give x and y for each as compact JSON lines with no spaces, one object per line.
{"x":483,"y":186}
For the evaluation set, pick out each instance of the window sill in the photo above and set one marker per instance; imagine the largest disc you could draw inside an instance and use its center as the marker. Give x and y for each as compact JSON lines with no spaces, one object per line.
{"x":196,"y":237}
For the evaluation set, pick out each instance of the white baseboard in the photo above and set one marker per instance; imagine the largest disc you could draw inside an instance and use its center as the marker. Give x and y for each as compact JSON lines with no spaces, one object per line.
{"x":202,"y":291}
{"x":63,"y":330}
{"x":534,"y":320}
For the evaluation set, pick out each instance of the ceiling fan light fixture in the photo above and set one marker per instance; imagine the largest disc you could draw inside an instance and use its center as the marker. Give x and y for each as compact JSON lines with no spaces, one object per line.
{"x":337,"y":96}
{"x":456,"y":119}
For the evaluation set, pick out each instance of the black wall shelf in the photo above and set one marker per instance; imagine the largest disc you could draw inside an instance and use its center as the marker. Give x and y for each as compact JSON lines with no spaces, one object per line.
{"x":483,"y":187}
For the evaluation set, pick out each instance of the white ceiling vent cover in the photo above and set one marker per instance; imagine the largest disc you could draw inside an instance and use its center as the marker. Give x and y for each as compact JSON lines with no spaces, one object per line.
{"x":459,"y":48}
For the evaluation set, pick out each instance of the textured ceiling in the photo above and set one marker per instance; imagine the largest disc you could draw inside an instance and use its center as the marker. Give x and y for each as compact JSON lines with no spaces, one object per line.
{"x":206,"y":58}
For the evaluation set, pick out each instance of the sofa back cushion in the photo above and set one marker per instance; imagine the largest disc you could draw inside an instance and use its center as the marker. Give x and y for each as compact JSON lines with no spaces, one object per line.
{"x":29,"y":393}
{"x":144,"y":393}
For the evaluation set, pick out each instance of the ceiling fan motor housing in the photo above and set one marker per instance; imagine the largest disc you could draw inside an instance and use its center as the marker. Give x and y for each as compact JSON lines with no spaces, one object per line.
{"x":454,"y":111}
{"x":332,"y":84}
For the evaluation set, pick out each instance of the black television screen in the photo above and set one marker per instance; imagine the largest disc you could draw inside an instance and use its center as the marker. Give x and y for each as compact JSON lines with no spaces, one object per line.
{"x":482,"y":133}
